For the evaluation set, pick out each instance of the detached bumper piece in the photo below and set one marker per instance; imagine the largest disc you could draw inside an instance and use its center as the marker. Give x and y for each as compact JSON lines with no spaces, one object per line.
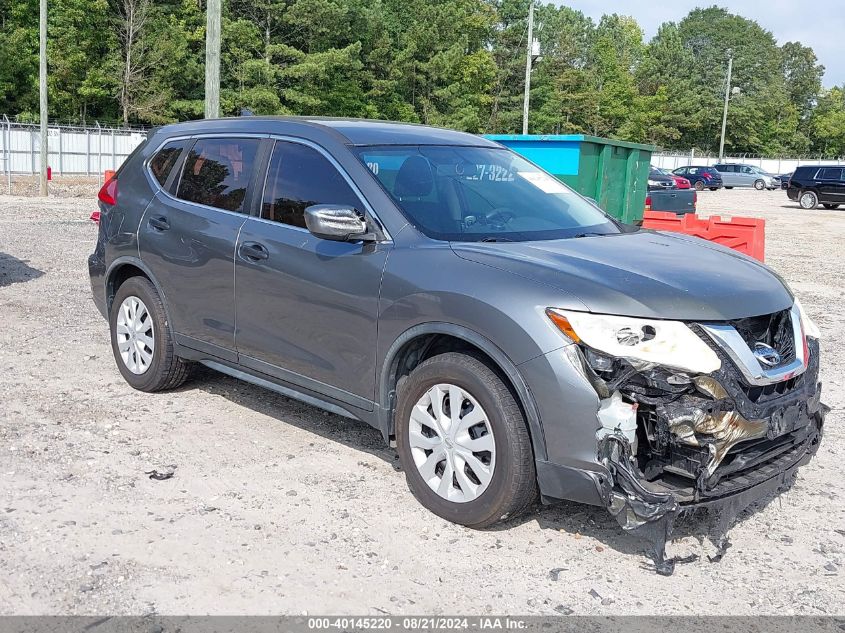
{"x":706,"y":441}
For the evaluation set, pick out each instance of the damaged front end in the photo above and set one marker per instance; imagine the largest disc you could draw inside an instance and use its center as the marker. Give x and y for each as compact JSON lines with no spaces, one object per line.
{"x":675,"y":439}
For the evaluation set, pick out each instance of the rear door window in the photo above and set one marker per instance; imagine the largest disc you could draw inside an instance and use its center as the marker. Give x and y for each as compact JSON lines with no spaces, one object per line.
{"x":298,"y":177}
{"x":829,"y":173}
{"x":217,"y":172}
{"x":165,"y":159}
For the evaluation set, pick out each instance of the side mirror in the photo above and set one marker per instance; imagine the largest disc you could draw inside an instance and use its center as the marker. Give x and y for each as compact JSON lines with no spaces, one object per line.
{"x":336,"y":223}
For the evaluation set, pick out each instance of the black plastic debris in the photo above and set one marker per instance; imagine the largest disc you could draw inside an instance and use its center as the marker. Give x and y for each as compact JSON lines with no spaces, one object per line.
{"x":157,"y":476}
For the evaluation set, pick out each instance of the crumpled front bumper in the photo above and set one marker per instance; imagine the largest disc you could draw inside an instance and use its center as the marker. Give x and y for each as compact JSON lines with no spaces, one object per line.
{"x":764,"y":435}
{"x":721,"y":445}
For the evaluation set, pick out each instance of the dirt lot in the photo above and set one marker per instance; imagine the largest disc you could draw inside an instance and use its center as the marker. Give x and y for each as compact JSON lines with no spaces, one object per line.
{"x":277,"y":507}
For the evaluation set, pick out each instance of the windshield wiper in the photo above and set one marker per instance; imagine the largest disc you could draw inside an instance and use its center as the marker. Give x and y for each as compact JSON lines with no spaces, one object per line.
{"x":588,"y":235}
{"x":492,"y":238}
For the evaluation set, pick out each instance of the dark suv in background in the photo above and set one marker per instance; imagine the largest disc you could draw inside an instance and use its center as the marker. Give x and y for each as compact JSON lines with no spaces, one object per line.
{"x":811,"y":185}
{"x":506,"y":335}
{"x":701,"y":176}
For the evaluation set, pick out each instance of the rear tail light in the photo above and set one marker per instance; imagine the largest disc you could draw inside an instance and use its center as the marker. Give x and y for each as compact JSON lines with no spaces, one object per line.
{"x":95,"y":217}
{"x":694,"y":198}
{"x":648,"y":203}
{"x":108,"y":193}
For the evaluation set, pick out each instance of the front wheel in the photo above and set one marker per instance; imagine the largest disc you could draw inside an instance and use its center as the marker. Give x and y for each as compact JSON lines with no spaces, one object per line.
{"x":463,"y":442}
{"x":141,"y":339}
{"x":830,"y":206}
{"x":808,"y":200}
{"x":759,"y":185}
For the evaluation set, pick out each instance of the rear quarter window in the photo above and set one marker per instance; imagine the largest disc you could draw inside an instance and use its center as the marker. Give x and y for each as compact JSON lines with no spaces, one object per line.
{"x":161,"y":165}
{"x":804,"y":172}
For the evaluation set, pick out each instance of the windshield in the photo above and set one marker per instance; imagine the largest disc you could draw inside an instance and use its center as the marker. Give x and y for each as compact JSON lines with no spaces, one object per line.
{"x":460,"y":193}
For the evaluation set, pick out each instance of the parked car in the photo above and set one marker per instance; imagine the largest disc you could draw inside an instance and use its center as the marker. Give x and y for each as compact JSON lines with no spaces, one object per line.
{"x":739,"y":175}
{"x":784,"y":180}
{"x":680,"y":181}
{"x":701,"y":177}
{"x":812,"y":185}
{"x":658,"y":180}
{"x":510,"y":338}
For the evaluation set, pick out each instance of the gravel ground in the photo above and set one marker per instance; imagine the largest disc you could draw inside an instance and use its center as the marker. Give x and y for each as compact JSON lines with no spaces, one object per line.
{"x":277,"y":507}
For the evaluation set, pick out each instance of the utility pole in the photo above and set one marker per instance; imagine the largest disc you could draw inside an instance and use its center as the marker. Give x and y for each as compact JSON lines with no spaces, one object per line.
{"x":725,"y":112}
{"x":212,"y":60}
{"x":528,"y":59}
{"x":42,"y":91}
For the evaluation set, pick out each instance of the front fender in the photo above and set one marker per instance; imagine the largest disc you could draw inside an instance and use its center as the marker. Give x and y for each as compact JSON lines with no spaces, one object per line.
{"x":523,"y":393}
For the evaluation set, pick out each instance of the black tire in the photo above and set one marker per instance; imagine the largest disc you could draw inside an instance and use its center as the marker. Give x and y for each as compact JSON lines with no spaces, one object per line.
{"x":513,"y":484}
{"x":699,"y":185}
{"x":827,"y":205}
{"x":759,"y":185}
{"x":808,"y":200}
{"x":166,"y":370}
{"x":714,"y":189}
{"x":731,"y":187}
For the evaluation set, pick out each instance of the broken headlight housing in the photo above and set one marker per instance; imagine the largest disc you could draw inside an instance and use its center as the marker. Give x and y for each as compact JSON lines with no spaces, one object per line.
{"x":809,"y":326}
{"x":640,"y":341}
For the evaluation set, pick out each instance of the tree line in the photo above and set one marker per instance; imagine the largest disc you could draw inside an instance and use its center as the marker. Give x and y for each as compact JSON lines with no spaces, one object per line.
{"x":451,"y":63}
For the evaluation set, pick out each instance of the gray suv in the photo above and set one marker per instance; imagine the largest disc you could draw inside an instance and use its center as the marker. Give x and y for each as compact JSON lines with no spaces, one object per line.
{"x":507,"y":336}
{"x":739,"y":175}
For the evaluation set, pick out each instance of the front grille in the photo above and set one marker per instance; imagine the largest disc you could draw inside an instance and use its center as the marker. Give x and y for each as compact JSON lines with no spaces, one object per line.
{"x":763,"y":392}
{"x":773,"y":329}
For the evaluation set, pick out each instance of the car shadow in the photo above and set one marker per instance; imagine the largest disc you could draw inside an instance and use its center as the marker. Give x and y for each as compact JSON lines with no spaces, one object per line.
{"x":16,"y":271}
{"x":565,"y":518}
{"x":576,"y":520}
{"x":353,"y":433}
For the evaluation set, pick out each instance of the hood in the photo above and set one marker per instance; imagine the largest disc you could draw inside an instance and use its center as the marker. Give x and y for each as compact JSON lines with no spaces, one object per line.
{"x":642,"y":274}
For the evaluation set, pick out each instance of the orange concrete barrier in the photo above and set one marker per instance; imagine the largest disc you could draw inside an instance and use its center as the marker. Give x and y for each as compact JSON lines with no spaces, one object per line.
{"x":746,"y":235}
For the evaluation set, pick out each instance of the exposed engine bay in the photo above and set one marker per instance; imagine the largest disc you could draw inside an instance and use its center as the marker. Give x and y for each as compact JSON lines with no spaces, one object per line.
{"x":677,"y":440}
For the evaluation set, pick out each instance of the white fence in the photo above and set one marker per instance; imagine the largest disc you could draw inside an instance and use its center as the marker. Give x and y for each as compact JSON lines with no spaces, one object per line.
{"x":71,"y":150}
{"x":94,"y":149}
{"x":771,"y":165}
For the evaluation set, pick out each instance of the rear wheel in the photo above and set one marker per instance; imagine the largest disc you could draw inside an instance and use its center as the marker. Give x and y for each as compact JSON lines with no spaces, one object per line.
{"x":714,"y":189}
{"x":759,"y":185}
{"x":699,"y":185}
{"x":731,"y":187}
{"x":141,"y":339}
{"x":463,"y":441}
{"x":830,"y":206}
{"x":808,"y":200}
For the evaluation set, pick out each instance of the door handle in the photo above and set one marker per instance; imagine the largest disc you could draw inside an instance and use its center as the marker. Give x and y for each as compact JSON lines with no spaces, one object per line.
{"x":159,"y":223}
{"x":253,"y":251}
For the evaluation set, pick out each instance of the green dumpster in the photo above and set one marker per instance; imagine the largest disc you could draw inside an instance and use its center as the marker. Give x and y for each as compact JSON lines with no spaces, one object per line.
{"x":613,"y":173}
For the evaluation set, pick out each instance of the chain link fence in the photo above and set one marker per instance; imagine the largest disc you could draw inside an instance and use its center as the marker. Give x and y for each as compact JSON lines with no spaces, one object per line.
{"x":772,"y":165}
{"x":72,"y":150}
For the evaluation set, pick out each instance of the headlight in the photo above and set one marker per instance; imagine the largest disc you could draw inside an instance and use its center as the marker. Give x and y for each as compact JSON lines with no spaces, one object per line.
{"x":811,"y":330}
{"x":652,"y":183}
{"x":669,"y":343}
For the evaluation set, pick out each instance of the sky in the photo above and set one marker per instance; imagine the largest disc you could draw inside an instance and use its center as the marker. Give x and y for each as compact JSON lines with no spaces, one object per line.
{"x":819,"y":24}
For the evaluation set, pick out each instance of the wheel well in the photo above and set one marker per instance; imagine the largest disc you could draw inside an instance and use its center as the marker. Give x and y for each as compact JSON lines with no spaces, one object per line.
{"x":424,"y":347}
{"x":116,"y":279}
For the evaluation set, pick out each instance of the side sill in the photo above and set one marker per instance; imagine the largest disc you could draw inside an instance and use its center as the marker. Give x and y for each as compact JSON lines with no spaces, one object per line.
{"x":281,"y":389}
